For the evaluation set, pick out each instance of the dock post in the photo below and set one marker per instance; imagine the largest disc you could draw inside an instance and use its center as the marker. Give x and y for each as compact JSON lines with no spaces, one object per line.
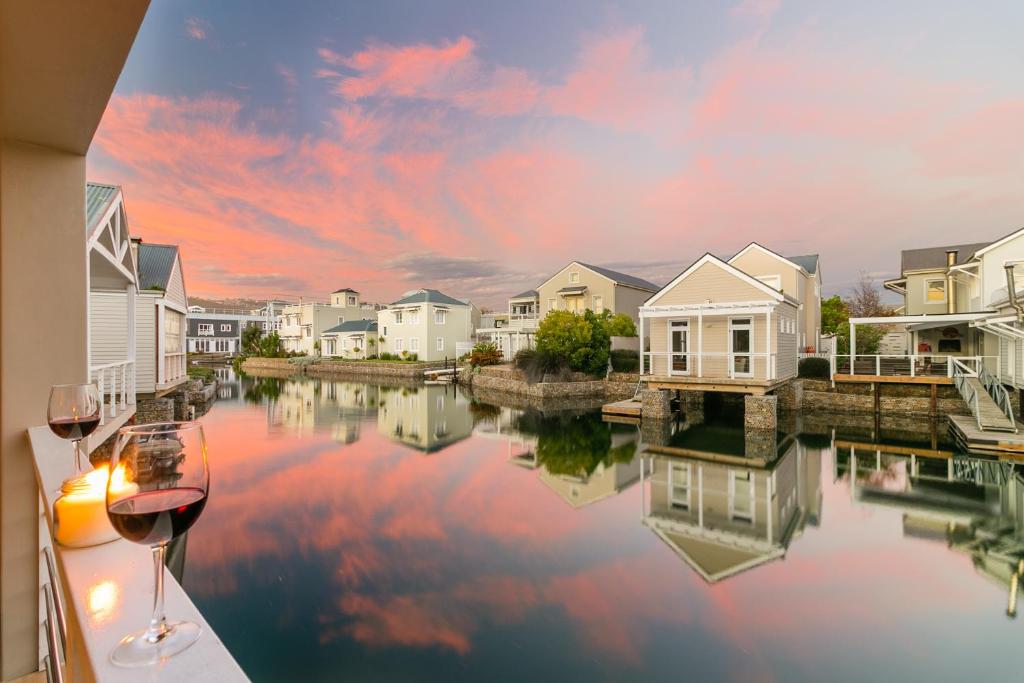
{"x":655,"y":404}
{"x":761,"y":412}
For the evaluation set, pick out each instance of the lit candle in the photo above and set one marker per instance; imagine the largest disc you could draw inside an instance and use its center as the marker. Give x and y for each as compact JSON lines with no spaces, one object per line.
{"x":80,"y":514}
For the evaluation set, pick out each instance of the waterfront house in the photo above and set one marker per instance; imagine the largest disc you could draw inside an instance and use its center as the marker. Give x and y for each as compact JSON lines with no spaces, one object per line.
{"x":717,"y":325}
{"x":428,"y":418}
{"x":577,"y":287}
{"x":428,"y":323}
{"x":724,"y":514}
{"x":350,"y":339}
{"x":160,"y":313}
{"x":302,"y":324}
{"x":797,"y":276}
{"x":216,"y":330}
{"x":113,"y":281}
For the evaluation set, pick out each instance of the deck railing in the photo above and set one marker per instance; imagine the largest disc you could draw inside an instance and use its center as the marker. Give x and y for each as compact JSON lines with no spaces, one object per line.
{"x":709,"y":364}
{"x":998,"y":393}
{"x":175,"y":367}
{"x":523,"y":320}
{"x":115,"y":383}
{"x":908,"y":365}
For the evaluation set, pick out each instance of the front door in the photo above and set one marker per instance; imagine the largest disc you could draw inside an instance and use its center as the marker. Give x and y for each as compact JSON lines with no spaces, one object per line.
{"x":741,"y":361}
{"x":678,"y":346}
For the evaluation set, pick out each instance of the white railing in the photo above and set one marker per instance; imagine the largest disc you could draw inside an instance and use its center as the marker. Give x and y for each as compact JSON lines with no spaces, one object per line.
{"x":523,"y":320}
{"x":908,"y":365}
{"x":174,"y":367}
{"x":960,"y":373}
{"x":115,"y":383}
{"x":724,"y":365}
{"x":998,"y":393}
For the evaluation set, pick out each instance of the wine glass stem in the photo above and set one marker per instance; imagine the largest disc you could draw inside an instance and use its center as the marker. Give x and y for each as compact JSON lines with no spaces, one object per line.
{"x":158,"y":628}
{"x":78,"y":457}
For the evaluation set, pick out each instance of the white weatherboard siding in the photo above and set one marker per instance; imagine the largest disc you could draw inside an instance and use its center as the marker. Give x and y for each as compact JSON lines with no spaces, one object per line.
{"x":145,"y":344}
{"x":108,"y":327}
{"x":176,"y":285}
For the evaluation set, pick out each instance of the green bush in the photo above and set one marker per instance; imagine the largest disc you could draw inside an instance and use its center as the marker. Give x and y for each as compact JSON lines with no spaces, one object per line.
{"x":618,"y":325}
{"x":201,"y":372}
{"x":580,"y":342}
{"x":624,"y":360}
{"x":817,"y":368}
{"x":485,"y":353}
{"x":535,"y":364}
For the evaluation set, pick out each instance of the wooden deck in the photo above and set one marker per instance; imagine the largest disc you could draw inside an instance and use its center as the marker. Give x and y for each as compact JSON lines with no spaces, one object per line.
{"x":965,"y":430}
{"x":894,"y":379}
{"x":755,"y":387}
{"x":628,"y":408}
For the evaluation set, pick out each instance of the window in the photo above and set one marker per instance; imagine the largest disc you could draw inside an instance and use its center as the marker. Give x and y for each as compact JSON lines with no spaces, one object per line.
{"x":351,"y":300}
{"x":399,"y":345}
{"x":679,"y":485}
{"x":414,"y":344}
{"x":225,"y":327}
{"x":574,"y":277}
{"x":774,"y":281}
{"x":741,"y":496}
{"x":174,"y":324}
{"x":398,"y":317}
{"x":341,"y":319}
{"x":598,"y":304}
{"x":307,"y":331}
{"x":205,"y":328}
{"x":414,"y":317}
{"x":551,"y":305}
{"x":384,"y":332}
{"x":935,"y":291}
{"x":440,"y":316}
{"x":440,"y":343}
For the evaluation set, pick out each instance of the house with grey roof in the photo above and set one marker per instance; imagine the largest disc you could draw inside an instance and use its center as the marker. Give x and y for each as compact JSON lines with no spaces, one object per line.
{"x":161,"y":319}
{"x":350,"y":339}
{"x":113,"y":289}
{"x":427,"y":323}
{"x":302,"y":324}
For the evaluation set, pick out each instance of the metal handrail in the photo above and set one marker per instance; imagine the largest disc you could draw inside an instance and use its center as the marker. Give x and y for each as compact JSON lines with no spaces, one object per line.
{"x":58,"y":602}
{"x":998,"y":393}
{"x":54,"y":671}
{"x":967,"y":392}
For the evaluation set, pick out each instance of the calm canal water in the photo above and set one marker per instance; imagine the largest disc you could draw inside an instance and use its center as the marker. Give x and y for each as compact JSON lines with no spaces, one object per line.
{"x":365,"y":532}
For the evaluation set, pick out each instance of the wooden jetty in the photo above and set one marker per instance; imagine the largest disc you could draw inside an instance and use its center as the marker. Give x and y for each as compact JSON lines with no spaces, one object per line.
{"x":628,"y":408}
{"x":965,"y":430}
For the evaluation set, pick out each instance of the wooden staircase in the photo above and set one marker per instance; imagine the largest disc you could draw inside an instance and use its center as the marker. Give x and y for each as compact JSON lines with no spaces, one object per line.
{"x":989,"y":415}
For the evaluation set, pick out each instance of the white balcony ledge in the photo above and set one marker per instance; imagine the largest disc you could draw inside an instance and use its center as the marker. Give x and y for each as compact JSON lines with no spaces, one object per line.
{"x":108,"y":593}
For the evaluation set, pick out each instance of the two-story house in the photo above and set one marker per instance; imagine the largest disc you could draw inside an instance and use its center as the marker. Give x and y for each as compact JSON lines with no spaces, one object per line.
{"x":160,"y":313}
{"x":303,"y":324}
{"x":577,"y":287}
{"x":427,"y":322}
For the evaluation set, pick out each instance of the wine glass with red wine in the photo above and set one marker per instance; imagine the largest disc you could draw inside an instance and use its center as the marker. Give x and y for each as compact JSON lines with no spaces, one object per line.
{"x":157,"y":489}
{"x":74,"y":413}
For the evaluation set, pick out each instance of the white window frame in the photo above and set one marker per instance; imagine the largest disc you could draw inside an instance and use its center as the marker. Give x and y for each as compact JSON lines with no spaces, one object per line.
{"x":398,"y":317}
{"x":399,"y":344}
{"x":598,"y":303}
{"x":414,"y":344}
{"x":945,"y":294}
{"x":414,"y":317}
{"x":732,"y":498}
{"x":204,"y":329}
{"x":773,"y":281}
{"x":552,"y":305}
{"x":674,"y":502}
{"x":440,"y":317}
{"x":225,"y":327}
{"x":574,"y":277}
{"x":732,"y":353}
{"x":440,"y":343}
{"x":351,"y":300}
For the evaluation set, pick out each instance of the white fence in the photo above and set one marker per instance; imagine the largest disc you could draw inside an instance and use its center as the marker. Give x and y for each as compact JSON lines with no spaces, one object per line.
{"x":115,"y":383}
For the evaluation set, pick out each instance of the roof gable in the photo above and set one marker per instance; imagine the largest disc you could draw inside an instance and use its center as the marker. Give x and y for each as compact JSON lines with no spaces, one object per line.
{"x":712,"y":260}
{"x":791,"y":262}
{"x":999,"y":242}
{"x":608,"y":274}
{"x":432,"y":296}
{"x":156,"y":262}
{"x":935,"y":257}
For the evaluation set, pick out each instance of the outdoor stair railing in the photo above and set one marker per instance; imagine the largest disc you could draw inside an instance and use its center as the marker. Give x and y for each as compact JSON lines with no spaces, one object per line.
{"x":998,"y":393}
{"x":967,"y":391}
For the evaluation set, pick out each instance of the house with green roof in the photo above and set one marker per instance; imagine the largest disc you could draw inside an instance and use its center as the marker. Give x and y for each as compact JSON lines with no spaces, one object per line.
{"x":428,"y":323}
{"x":350,"y":339}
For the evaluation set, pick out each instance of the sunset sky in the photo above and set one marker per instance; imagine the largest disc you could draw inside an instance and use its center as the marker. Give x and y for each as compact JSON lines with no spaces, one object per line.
{"x":295,"y":148}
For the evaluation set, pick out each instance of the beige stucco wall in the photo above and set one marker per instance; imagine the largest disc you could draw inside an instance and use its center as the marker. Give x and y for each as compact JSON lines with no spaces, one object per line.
{"x":914,"y":299}
{"x":44,"y":341}
{"x":597,"y":285}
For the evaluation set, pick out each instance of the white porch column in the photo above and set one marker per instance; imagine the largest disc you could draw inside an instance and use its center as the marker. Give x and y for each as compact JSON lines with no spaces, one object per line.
{"x":641,"y":343}
{"x":160,"y":373}
{"x":700,"y":343}
{"x":853,"y":348}
{"x":769,"y":366}
{"x":130,"y":296}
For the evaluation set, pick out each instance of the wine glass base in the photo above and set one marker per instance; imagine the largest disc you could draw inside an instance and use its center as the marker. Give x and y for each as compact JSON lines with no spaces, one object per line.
{"x":135,"y":650}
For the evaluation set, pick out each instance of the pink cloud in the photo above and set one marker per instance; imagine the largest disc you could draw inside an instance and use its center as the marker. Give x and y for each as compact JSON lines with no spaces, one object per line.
{"x":196,"y":28}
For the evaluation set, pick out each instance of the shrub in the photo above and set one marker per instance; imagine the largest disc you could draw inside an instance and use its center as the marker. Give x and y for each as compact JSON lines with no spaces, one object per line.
{"x":818,"y":368}
{"x":624,"y":360}
{"x":201,"y":372}
{"x":413,"y":357}
{"x":535,"y":364}
{"x":618,"y":325}
{"x":386,"y":355}
{"x":580,"y":342}
{"x":485,"y":353}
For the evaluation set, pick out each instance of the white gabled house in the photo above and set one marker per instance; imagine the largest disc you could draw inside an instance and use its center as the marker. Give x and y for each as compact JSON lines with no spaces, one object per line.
{"x":715,"y":322}
{"x":160,"y":315}
{"x":113,"y":288}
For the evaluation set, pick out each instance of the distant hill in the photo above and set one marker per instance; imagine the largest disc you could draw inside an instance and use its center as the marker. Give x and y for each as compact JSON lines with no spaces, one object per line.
{"x":245,"y":305}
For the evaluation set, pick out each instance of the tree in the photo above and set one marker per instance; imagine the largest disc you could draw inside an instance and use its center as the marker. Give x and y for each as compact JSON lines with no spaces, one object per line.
{"x":270,"y":346}
{"x":866,"y":300}
{"x":617,"y":325}
{"x":835,"y":315}
{"x":580,"y":342}
{"x":251,"y":340}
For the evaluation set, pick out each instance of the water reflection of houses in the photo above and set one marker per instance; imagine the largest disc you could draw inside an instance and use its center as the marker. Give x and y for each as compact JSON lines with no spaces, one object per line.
{"x":312,"y":406}
{"x":972,"y":505}
{"x":427,"y":418}
{"x":577,"y":455}
{"x":724,"y":514}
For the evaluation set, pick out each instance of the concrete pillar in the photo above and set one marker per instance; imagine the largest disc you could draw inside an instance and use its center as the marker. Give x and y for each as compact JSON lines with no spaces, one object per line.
{"x":760,"y":412}
{"x":655,"y":404}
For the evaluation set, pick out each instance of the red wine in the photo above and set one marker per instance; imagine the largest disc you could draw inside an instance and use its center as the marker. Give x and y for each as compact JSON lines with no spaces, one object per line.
{"x":74,"y":428}
{"x":155,"y":517}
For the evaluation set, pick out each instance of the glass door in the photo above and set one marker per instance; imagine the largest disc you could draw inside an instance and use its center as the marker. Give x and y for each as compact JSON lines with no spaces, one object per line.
{"x":741,"y":361}
{"x":678,"y":346}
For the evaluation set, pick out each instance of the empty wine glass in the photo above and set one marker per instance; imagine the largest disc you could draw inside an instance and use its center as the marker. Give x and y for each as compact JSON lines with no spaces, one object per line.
{"x":74,"y":413}
{"x":158,"y":484}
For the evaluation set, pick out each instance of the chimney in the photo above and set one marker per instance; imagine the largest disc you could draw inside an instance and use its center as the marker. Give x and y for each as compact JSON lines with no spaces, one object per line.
{"x":950,"y":282}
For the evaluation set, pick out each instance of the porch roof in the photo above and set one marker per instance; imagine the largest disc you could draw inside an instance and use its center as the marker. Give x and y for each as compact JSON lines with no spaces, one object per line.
{"x":576,"y":289}
{"x":711,"y":308}
{"x":937,"y":319}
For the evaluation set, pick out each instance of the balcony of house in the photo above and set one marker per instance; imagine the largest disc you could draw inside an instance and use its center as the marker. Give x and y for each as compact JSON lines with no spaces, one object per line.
{"x":524,"y":311}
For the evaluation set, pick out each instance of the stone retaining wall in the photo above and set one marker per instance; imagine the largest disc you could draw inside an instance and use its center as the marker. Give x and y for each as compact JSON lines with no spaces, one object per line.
{"x":510,"y":380}
{"x":813,"y":395}
{"x":760,"y":413}
{"x":372,"y":368}
{"x":149,"y":410}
